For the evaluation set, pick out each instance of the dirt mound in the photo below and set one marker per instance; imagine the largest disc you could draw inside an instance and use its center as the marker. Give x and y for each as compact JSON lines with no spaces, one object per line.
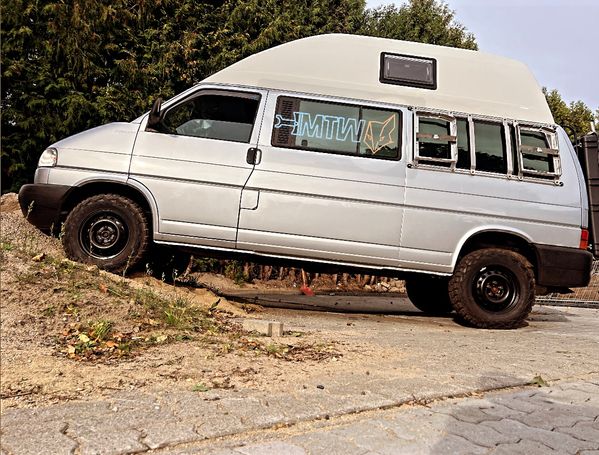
{"x":9,"y":202}
{"x":70,"y":331}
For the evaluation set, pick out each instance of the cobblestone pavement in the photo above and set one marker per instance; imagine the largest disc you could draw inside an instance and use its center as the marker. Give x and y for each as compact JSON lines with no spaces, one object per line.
{"x":562,"y":419}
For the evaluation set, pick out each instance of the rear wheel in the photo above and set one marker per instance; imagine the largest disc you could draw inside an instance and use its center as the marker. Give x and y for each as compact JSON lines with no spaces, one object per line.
{"x":108,"y":230}
{"x":493,"y":288}
{"x":429,"y":294}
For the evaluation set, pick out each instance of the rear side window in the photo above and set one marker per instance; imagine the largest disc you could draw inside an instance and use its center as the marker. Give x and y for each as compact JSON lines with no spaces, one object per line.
{"x":436,"y":138}
{"x":490,"y":147}
{"x":228,"y":117}
{"x":538,"y":155}
{"x":464,"y":160}
{"x":471,"y":144}
{"x":336,"y":128}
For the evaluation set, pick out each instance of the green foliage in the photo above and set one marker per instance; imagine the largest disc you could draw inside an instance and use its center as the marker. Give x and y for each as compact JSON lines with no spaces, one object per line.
{"x":69,"y":66}
{"x":576,"y":117}
{"x":425,"y":21}
{"x":234,"y":271}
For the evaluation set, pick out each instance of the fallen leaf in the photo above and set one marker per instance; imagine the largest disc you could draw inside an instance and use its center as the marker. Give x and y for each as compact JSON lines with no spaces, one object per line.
{"x":161,"y":338}
{"x":39,"y":257}
{"x":83,"y":338}
{"x":103,"y":288}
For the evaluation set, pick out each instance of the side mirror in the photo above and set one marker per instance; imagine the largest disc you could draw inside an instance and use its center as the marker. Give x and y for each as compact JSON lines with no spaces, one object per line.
{"x":155,"y":115}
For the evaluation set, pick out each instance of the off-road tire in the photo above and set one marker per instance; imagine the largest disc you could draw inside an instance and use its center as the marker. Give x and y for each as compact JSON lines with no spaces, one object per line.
{"x":472,"y":283}
{"x":119,"y":214}
{"x":430,"y":294}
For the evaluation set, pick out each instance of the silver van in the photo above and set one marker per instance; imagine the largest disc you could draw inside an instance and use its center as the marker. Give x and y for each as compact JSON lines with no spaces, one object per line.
{"x":443,"y":166}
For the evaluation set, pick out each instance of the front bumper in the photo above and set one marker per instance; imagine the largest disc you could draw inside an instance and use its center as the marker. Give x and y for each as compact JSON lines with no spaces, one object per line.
{"x":41,"y":204}
{"x":563,"y":267}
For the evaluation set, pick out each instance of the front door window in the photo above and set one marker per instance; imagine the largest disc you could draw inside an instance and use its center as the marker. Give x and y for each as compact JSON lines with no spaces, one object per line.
{"x":227,"y":117}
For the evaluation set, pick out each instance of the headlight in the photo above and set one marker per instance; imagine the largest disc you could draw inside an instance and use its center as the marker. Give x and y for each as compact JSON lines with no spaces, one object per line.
{"x":48,"y":158}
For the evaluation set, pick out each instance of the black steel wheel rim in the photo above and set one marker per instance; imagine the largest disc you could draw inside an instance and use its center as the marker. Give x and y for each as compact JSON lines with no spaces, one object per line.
{"x":496,"y":289}
{"x":103,"y":235}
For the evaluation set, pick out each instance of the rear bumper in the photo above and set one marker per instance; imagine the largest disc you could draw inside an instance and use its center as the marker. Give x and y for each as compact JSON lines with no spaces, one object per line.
{"x":41,"y":204}
{"x":563,"y":267}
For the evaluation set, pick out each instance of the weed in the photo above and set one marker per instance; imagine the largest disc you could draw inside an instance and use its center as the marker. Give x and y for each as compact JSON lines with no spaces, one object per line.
{"x":234,"y":271}
{"x":6,"y":246}
{"x":28,"y":277}
{"x":276,"y":349}
{"x":200,"y":387}
{"x":49,"y":311}
{"x":205,"y":264}
{"x":101,"y":329}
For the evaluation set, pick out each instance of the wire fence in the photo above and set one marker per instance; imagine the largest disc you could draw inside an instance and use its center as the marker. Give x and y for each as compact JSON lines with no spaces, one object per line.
{"x":580,"y":296}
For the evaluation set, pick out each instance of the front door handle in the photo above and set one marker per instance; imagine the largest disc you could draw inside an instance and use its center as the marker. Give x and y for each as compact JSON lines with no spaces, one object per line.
{"x":254,"y":155}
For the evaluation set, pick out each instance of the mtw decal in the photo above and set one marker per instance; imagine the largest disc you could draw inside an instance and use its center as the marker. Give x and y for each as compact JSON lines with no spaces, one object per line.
{"x":375,"y":135}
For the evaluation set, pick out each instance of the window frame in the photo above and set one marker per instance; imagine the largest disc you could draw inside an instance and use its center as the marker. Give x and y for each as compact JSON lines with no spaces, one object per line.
{"x":213,"y":91}
{"x":360,"y":106}
{"x":408,"y":82}
{"x":452,"y":139}
{"x":552,"y":150}
{"x":511,"y":136}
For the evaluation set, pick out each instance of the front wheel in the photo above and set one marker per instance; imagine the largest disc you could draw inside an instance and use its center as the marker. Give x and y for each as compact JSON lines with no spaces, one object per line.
{"x":108,"y":230}
{"x":493,"y":288}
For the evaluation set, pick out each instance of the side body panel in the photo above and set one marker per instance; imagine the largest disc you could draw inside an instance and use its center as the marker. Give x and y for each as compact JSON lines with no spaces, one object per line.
{"x":444,"y":209}
{"x":321,"y":205}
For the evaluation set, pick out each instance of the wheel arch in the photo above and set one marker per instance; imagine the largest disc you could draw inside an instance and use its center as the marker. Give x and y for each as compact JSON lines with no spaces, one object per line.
{"x":130,"y":189}
{"x":497,"y":237}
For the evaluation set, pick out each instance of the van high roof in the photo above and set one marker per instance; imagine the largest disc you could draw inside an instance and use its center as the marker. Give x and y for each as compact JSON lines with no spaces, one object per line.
{"x":348,"y":66}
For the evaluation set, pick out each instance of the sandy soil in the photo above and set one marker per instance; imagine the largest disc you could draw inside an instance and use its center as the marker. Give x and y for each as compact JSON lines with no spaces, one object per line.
{"x":48,"y":302}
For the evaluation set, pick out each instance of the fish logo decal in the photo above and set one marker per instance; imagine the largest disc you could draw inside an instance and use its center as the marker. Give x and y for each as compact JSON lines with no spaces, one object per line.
{"x":379,"y":134}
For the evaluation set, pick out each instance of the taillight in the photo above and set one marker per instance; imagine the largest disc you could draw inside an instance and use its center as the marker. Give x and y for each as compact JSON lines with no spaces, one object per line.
{"x":584,"y":239}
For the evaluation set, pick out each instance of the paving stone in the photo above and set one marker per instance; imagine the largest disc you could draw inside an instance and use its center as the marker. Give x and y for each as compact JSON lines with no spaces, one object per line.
{"x":557,"y":416}
{"x":479,"y":434}
{"x":199,"y":451}
{"x":518,"y":402}
{"x":416,"y":424}
{"x":449,"y":444}
{"x":166,"y":432}
{"x":48,"y":437}
{"x":499,"y":410}
{"x":187,"y":405}
{"x":472,"y":412}
{"x":59,"y":412}
{"x":323,"y":442}
{"x":557,"y":441}
{"x":574,"y":396}
{"x":370,"y":436}
{"x":524,"y":447}
{"x":582,"y":430}
{"x":220,"y":425}
{"x":107,"y":440}
{"x":271,"y":448}
{"x":588,"y":387}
